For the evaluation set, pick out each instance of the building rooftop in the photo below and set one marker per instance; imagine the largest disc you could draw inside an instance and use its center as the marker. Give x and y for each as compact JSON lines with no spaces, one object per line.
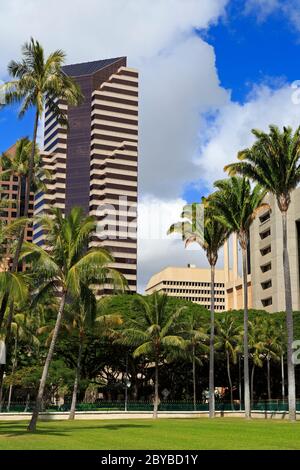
{"x":88,"y":68}
{"x":185,"y":273}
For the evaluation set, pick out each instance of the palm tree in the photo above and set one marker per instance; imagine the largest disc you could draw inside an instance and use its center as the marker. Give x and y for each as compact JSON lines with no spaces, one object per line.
{"x":84,"y":319}
{"x":228,"y":334}
{"x":22,"y":330}
{"x":256,"y":348}
{"x":17,"y":164}
{"x":271,"y":347}
{"x":195,"y":337}
{"x":274,"y":162}
{"x":211,"y":235}
{"x":235,"y":205}
{"x":63,"y":268}
{"x":36,"y":80}
{"x":151,"y":329}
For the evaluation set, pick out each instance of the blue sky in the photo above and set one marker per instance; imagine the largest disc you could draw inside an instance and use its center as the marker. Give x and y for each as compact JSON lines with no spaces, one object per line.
{"x":250,"y":51}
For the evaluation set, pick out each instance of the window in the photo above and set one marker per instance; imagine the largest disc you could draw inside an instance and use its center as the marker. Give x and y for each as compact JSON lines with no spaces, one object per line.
{"x":266,"y":250}
{"x":265,"y":234}
{"x":263,"y":218}
{"x":266,"y":267}
{"x":267,"y":302}
{"x":267,"y":284}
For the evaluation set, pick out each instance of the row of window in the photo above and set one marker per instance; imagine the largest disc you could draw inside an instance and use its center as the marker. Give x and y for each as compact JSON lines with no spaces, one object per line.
{"x":192,"y":284}
{"x":192,"y":291}
{"x":202,"y":299}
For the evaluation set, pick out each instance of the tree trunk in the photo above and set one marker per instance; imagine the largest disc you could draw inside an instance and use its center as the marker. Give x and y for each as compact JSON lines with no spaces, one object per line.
{"x":77,"y":378}
{"x":240,"y":383}
{"x":155,"y":408}
{"x":40,"y":395}
{"x":194,"y":379}
{"x":269,"y":378}
{"x":12,"y":372}
{"x":289,"y":322}
{"x":252,"y":385}
{"x":246,"y":348}
{"x":229,"y":379}
{"x":282,"y":378}
{"x":211,"y":345}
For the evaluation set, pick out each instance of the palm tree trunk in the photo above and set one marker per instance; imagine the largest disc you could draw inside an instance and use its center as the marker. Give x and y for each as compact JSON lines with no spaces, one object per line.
{"x":269,"y":378}
{"x":289,"y":322}
{"x":40,"y":395}
{"x":229,"y":379}
{"x":282,"y":378}
{"x":246,"y":349}
{"x":211,"y":345}
{"x":240,"y":383}
{"x":155,"y":408}
{"x":77,"y":378}
{"x":12,"y":372}
{"x":252,"y":385}
{"x":194,"y":379}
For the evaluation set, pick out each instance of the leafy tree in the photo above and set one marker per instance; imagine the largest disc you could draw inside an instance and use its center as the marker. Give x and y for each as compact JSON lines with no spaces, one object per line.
{"x":152,"y":330}
{"x":273,"y":161}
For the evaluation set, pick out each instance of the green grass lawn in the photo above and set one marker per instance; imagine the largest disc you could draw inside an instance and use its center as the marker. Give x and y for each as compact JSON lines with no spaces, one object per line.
{"x":147,"y":434}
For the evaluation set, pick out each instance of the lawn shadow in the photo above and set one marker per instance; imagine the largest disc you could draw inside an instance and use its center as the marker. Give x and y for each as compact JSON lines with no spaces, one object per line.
{"x":13,"y":429}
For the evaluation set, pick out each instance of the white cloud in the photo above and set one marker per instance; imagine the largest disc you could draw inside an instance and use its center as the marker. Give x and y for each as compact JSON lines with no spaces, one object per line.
{"x":97,"y":28}
{"x":156,"y":249}
{"x":263,"y":8}
{"x":231,"y":130}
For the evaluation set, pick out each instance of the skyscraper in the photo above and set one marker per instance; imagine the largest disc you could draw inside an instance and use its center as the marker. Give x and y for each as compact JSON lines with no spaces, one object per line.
{"x":94,"y":161}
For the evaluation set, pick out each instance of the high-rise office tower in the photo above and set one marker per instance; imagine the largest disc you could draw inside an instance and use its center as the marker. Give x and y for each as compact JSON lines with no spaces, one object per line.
{"x":94,"y":161}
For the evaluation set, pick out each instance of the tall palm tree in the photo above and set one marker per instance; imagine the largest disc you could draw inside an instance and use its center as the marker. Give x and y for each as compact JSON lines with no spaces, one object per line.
{"x":274,"y":162}
{"x":228,"y":334}
{"x":211,"y":235}
{"x":151,"y":329}
{"x":37,"y":79}
{"x":235,"y":205}
{"x":195,"y":337}
{"x":63,"y":268}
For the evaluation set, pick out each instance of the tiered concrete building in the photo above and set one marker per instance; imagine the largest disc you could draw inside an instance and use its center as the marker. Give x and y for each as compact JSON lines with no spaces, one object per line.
{"x":190,"y":283}
{"x":266,"y":243}
{"x":94,"y":162}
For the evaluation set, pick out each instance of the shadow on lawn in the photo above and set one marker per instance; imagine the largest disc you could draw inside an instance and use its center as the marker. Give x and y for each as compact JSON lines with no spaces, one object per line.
{"x":13,"y":429}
